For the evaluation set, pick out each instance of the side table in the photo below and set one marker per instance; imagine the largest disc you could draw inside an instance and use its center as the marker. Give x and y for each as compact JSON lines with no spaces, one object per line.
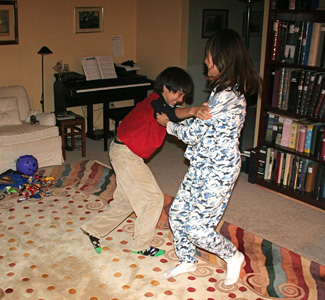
{"x":72,"y":128}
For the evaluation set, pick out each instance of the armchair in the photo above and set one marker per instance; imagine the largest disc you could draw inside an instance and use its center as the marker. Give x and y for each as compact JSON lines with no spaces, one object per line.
{"x":18,"y":137}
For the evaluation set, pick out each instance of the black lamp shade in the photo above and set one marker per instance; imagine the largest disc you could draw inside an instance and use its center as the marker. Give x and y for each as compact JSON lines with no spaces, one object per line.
{"x":44,"y":50}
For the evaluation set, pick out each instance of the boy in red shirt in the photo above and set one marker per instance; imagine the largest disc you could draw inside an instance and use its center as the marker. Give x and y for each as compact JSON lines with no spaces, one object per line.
{"x":138,"y":136}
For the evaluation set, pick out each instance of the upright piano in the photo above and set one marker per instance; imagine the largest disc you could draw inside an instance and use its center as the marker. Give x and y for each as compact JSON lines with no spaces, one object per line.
{"x":72,"y":93}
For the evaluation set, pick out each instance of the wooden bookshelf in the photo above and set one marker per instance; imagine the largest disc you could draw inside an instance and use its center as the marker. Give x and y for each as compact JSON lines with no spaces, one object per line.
{"x":286,"y":16}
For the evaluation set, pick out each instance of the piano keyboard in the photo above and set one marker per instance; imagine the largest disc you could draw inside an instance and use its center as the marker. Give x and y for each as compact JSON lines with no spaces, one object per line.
{"x":112,"y":87}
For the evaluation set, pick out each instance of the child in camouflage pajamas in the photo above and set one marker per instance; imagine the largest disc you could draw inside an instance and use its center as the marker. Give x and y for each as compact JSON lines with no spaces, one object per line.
{"x":213,"y":152}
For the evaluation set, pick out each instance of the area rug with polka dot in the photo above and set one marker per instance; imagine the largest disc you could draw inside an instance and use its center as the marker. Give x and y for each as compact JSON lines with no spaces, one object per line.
{"x":45,"y":256}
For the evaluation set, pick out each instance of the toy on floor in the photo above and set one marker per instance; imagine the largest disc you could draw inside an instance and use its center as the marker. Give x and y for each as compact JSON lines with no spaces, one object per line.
{"x":36,"y":187}
{"x":27,"y":164}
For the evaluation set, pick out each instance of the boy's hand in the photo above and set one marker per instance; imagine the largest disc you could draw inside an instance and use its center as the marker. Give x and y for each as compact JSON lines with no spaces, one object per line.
{"x":203,"y":112}
{"x":162,"y":119}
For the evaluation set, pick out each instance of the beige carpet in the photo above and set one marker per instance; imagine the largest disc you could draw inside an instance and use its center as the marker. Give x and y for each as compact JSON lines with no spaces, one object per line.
{"x":45,"y":256}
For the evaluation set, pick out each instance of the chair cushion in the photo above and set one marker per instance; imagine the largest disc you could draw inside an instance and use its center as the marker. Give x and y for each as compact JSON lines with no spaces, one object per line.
{"x":9,"y":114}
{"x":20,"y":93}
{"x":18,"y":134}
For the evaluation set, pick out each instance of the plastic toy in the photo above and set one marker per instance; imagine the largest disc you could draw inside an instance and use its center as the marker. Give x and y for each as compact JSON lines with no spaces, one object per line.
{"x":27,"y":165}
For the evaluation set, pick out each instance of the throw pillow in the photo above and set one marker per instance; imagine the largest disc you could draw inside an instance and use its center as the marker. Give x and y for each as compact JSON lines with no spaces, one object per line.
{"x":9,"y":114}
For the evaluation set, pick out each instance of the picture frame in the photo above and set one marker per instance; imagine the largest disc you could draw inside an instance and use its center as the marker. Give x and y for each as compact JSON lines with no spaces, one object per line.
{"x":8,"y":22}
{"x":212,"y":20}
{"x":89,"y":19}
{"x":256,"y":24}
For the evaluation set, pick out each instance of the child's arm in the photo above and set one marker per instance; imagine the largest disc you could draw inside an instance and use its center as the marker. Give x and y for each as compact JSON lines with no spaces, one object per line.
{"x":201,"y":112}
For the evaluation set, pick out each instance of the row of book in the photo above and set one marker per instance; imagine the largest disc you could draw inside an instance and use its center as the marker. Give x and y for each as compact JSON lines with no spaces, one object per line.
{"x":299,"y":91}
{"x":291,"y":171}
{"x":296,"y":4}
{"x":299,"y":42}
{"x":301,"y":135}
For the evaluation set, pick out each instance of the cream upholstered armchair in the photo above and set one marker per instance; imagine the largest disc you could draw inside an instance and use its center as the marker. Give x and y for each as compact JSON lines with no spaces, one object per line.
{"x":18,"y":137}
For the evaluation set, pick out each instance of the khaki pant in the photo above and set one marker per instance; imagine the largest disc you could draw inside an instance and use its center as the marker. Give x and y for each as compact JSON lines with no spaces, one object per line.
{"x":137,"y":191}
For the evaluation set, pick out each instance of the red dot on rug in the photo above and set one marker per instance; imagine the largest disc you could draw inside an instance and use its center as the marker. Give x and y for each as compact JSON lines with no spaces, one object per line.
{"x":220,"y":271}
{"x":232,"y":295}
{"x":191,"y":278}
{"x":211,"y":279}
{"x":168,"y":292}
{"x":211,"y":289}
{"x":163,"y":260}
{"x":8,"y":291}
{"x":29,"y":291}
{"x":191,"y":289}
{"x":148,"y":294}
{"x":242,"y":289}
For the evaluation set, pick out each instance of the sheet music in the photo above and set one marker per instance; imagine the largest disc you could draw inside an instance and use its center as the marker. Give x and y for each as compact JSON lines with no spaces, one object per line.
{"x":106,"y":66}
{"x":98,"y":67}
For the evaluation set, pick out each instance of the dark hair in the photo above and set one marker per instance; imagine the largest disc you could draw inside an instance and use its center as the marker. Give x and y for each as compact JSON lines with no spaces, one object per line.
{"x":231,"y":57}
{"x":175,"y":79}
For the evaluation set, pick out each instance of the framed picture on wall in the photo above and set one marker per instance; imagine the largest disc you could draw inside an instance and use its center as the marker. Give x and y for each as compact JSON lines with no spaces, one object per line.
{"x":255,"y":24}
{"x":8,"y":23}
{"x":89,"y":19}
{"x":212,"y":20}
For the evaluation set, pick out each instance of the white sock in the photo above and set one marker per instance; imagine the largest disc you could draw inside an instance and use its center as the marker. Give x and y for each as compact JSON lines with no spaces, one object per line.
{"x":180,"y":269}
{"x":233,"y":268}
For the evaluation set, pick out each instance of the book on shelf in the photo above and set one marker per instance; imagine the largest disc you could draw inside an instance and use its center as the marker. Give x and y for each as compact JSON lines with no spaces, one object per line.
{"x":320,"y":101}
{"x":275,"y":35}
{"x":316,"y":127}
{"x":267,"y":163}
{"x":293,"y":135}
{"x":306,"y":40}
{"x":310,"y":89}
{"x":279,"y":131}
{"x":269,"y":127}
{"x":309,"y":136}
{"x":286,"y":131}
{"x":321,"y":47}
{"x":278,"y":174}
{"x":300,"y":90}
{"x":301,"y":138}
{"x":261,"y":161}
{"x":98,"y":67}
{"x":319,"y":142}
{"x":281,"y":42}
{"x":286,"y":84}
{"x":293,"y":90}
{"x":292,"y":43}
{"x":322,"y":150}
{"x":288,"y":162}
{"x":281,"y":87}
{"x":311,"y":177}
{"x":315,"y":49}
{"x":276,"y":86}
{"x":316,"y":92}
{"x":305,"y":91}
{"x":271,"y":163}
{"x":319,"y":183}
{"x":303,"y":174}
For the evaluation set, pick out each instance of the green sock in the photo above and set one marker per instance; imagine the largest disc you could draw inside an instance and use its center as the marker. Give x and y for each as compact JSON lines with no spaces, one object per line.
{"x":94,"y":241}
{"x":151,"y":251}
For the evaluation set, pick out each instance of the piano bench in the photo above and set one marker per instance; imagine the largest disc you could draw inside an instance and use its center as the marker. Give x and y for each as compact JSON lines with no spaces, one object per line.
{"x":117,"y":115}
{"x":72,"y":128}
